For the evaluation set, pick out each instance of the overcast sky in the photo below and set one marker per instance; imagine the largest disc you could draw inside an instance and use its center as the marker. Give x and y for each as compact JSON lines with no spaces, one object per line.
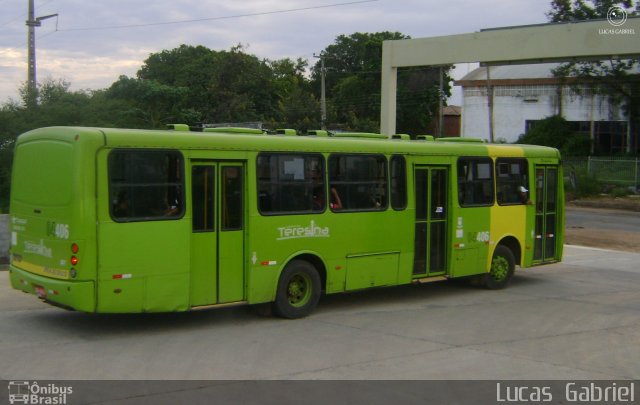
{"x":91,"y":43}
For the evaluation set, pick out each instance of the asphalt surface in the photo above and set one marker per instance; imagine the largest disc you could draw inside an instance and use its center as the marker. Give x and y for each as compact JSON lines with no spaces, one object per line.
{"x":573,"y":320}
{"x":616,"y":220}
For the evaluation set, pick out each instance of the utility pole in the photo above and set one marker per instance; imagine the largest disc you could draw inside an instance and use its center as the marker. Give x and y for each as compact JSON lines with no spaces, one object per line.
{"x":32,"y":23}
{"x":441,"y":105}
{"x":490,"y":104}
{"x":323,"y":94}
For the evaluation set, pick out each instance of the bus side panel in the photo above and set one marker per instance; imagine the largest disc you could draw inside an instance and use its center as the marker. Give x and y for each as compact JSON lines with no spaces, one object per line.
{"x":470,"y":228}
{"x":375,"y":270}
{"x":509,"y":221}
{"x":143,"y":266}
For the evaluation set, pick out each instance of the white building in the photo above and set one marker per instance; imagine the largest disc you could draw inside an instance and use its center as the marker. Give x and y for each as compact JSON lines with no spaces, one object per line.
{"x":524,"y":94}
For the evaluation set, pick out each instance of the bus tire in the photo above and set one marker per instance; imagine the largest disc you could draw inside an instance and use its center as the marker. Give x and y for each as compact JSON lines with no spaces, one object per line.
{"x":503,"y":265}
{"x":298,"y":290}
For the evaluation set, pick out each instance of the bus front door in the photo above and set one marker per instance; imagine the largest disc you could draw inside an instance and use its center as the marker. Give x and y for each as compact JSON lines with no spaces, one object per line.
{"x":217,"y":239}
{"x":431,"y":185}
{"x":546,"y":200}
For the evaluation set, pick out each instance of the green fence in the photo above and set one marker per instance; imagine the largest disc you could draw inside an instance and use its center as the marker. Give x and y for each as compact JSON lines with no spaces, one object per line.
{"x":621,"y":171}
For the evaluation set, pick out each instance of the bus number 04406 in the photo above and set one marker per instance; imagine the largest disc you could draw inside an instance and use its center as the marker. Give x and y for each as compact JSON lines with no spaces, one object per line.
{"x":60,"y":231}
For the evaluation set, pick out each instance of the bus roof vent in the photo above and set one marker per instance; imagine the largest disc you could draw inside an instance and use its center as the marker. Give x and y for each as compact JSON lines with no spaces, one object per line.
{"x":359,"y":135}
{"x":424,"y":137}
{"x":459,"y":139}
{"x":403,"y":137}
{"x":286,"y":131}
{"x":235,"y":130}
{"x":178,"y":127}
{"x":318,"y":132}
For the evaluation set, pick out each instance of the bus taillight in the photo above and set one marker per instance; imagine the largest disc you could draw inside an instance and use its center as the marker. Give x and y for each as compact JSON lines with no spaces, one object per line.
{"x":74,"y":260}
{"x":75,"y":248}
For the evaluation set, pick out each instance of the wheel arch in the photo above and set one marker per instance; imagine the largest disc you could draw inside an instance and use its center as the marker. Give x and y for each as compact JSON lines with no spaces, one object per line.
{"x":313,"y":259}
{"x":512,"y":243}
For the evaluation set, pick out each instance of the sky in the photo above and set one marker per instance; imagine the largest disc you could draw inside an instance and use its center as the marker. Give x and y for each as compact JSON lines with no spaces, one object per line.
{"x":91,"y":43}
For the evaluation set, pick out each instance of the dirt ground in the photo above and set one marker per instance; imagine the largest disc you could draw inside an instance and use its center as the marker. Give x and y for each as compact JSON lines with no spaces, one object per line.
{"x":613,"y":240}
{"x":605,"y":239}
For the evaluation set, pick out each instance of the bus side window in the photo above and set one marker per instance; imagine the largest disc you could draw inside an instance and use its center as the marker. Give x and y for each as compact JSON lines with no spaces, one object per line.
{"x":145,"y":185}
{"x":359,"y":180}
{"x":398,"y":183}
{"x":475,"y":182}
{"x":290,"y":183}
{"x":512,"y":180}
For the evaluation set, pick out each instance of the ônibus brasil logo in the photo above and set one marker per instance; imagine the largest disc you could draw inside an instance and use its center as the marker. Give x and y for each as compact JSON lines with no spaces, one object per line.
{"x":25,"y":392}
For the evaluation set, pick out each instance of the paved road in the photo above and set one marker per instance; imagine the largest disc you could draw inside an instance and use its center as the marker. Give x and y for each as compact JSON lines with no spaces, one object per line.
{"x":574,"y":320}
{"x":615,"y":220}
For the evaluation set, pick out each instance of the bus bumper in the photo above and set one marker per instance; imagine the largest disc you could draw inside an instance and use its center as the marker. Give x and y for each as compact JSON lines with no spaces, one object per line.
{"x":77,"y":295}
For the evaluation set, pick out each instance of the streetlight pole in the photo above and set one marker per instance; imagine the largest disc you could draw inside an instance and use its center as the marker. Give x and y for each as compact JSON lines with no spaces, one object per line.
{"x":323,"y":94}
{"x":32,"y":23}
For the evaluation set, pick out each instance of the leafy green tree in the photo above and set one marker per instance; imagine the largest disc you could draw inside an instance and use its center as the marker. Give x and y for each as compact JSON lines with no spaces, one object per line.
{"x":557,"y":133}
{"x":353,"y":81}
{"x":576,"y":10}
{"x":150,"y":104}
{"x":222,"y":86}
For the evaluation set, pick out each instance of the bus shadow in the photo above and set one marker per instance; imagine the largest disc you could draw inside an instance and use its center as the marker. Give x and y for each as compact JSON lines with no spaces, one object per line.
{"x":404,"y":296}
{"x":427,"y":296}
{"x":87,"y":325}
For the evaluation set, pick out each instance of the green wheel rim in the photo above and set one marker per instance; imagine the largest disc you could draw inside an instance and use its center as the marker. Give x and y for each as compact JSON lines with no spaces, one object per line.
{"x":299,"y":290}
{"x":499,"y":268}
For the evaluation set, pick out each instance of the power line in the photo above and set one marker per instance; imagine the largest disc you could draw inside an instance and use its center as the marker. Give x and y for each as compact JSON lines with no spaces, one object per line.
{"x":113,"y":27}
{"x":21,"y":16}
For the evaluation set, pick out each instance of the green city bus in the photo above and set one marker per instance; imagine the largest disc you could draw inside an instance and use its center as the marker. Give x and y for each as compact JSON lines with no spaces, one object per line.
{"x":124,"y":221}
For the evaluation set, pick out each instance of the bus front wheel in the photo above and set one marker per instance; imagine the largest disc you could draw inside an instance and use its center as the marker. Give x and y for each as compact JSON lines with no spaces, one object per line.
{"x":298,"y":290}
{"x":503,"y":265}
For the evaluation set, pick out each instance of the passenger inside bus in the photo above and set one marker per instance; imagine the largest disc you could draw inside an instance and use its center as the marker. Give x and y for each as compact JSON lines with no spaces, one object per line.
{"x":336,"y":202}
{"x":121,"y":205}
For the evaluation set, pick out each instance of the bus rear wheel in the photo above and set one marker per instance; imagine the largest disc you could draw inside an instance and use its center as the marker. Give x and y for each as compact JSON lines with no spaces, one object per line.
{"x":503,"y":265}
{"x":298,"y":290}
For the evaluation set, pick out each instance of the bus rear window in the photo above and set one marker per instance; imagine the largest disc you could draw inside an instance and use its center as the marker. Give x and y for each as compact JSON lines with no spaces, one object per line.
{"x":146,"y":185}
{"x":43,"y":173}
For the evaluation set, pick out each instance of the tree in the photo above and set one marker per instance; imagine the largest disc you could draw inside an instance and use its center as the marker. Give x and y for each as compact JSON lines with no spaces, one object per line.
{"x":222,"y":86}
{"x":353,"y":80}
{"x":150,"y":104}
{"x":566,"y":10}
{"x":557,"y":133}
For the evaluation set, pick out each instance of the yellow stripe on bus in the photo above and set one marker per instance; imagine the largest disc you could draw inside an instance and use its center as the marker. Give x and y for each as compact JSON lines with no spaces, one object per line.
{"x":41,"y":270}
